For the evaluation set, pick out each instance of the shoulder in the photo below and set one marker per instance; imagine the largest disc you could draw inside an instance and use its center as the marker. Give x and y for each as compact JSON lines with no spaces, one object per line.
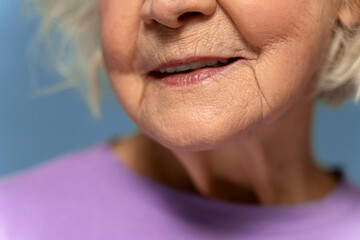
{"x":47,"y":172}
{"x":352,"y":192}
{"x":346,"y":206}
{"x":45,"y":189}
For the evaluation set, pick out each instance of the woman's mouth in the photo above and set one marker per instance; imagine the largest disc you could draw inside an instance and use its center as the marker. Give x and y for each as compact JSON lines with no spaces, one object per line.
{"x":180,"y":74}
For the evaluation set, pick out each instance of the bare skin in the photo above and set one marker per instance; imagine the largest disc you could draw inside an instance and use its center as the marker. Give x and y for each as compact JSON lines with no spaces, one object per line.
{"x":244,"y":135}
{"x":269,"y":165}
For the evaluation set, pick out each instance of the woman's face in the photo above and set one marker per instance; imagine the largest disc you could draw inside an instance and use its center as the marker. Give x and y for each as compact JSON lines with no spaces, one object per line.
{"x":277,"y":46}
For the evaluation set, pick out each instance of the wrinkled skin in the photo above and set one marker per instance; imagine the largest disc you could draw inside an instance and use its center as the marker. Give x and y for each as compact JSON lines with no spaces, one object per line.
{"x":243,"y":134}
{"x":282,"y":42}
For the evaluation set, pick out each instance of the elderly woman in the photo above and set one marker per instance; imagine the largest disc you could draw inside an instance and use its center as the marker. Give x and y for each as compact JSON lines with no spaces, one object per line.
{"x":223,"y":93}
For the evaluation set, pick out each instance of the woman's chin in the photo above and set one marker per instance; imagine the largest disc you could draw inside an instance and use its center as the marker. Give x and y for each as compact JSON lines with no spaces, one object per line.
{"x":196,"y":144}
{"x":195,"y":139}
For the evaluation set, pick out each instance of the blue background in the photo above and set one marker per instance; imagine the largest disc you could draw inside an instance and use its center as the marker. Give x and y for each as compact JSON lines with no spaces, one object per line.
{"x":33,"y":130}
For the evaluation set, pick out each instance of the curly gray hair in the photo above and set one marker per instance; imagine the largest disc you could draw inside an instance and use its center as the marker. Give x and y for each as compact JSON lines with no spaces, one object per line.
{"x":79,"y":60}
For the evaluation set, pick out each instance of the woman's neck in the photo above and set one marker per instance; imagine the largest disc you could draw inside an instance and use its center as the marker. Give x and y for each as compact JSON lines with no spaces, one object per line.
{"x":271,"y":164}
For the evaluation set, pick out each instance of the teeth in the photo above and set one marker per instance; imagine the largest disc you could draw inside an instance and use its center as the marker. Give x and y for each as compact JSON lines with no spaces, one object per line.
{"x":192,"y":66}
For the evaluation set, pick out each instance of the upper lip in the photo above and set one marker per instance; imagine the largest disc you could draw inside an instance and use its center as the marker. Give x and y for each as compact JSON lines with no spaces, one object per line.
{"x":189,"y":60}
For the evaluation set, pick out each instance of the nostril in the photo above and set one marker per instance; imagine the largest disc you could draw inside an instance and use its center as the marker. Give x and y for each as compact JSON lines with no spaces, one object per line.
{"x":175,"y":13}
{"x":188,"y":15}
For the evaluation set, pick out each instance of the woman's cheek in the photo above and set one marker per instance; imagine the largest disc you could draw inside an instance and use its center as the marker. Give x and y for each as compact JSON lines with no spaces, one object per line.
{"x":120,"y":22}
{"x":266,"y":22}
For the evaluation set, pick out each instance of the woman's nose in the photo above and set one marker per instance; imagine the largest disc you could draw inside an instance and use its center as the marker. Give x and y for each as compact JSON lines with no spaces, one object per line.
{"x":173,"y":13}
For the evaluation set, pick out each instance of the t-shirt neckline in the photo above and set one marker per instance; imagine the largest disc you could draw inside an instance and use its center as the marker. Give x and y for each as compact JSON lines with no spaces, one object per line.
{"x":309,"y":215}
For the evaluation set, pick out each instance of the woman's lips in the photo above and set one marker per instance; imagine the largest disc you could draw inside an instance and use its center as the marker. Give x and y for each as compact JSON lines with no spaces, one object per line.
{"x":191,"y":76}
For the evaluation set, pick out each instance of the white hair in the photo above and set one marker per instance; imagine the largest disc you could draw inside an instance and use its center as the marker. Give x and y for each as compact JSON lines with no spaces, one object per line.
{"x":79,"y":58}
{"x":340,"y":78}
{"x":71,"y":33}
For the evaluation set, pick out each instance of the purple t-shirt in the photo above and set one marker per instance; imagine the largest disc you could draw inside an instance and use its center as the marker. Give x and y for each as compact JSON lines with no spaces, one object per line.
{"x":90,"y":195}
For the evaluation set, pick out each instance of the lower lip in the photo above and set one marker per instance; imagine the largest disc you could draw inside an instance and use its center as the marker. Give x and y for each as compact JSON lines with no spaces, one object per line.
{"x":191,"y":78}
